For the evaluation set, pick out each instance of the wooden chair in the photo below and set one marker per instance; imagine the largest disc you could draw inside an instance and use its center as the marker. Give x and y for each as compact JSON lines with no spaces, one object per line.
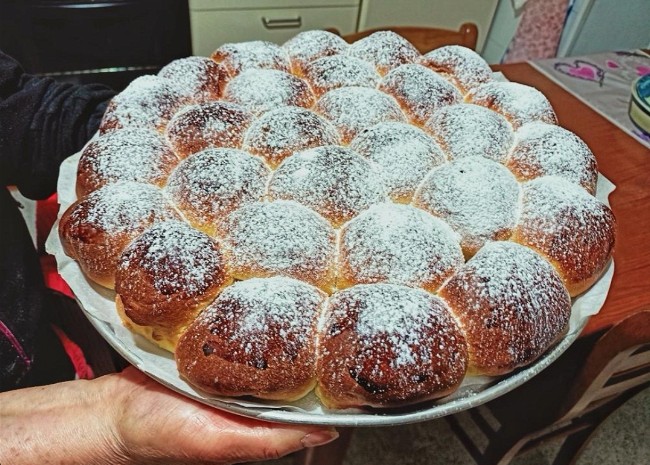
{"x":568,"y":400}
{"x":426,"y":39}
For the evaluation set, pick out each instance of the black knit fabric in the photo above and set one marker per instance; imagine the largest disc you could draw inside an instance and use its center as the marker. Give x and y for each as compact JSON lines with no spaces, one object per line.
{"x":41,"y":123}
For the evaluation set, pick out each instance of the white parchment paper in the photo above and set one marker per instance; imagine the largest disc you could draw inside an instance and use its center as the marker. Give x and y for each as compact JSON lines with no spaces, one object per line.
{"x":99,"y":306}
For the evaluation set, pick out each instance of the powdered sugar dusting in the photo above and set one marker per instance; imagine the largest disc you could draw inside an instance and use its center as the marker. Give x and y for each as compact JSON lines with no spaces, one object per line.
{"x":280,"y":237}
{"x":563,"y":221}
{"x":399,"y":244}
{"x":404,"y":153}
{"x":147,"y":102}
{"x":209,"y":185}
{"x":385,"y":50}
{"x":460,"y":65}
{"x":545,"y":149}
{"x":467,"y":130}
{"x":261,"y":90}
{"x":477,"y":197}
{"x":200,"y":78}
{"x":419,"y":91}
{"x":337,"y":71}
{"x":183,"y":261}
{"x":280,"y":132}
{"x":335,"y":181}
{"x":353,"y":109}
{"x":214,"y":124}
{"x":259,"y":312}
{"x":517,"y":102}
{"x":122,"y":207}
{"x":242,"y":56}
{"x":309,"y":46}
{"x":131,"y":154}
{"x":511,"y":302}
{"x":400,"y":333}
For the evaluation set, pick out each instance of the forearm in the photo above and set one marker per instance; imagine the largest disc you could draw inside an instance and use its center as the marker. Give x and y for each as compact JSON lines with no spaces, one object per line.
{"x":65,"y":424}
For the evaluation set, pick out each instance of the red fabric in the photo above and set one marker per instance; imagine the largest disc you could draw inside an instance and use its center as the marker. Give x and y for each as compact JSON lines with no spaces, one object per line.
{"x":76,"y":355}
{"x":46,"y":213}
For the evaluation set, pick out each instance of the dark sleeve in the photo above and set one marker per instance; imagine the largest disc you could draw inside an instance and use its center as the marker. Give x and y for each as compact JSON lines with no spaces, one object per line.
{"x":42,"y":122}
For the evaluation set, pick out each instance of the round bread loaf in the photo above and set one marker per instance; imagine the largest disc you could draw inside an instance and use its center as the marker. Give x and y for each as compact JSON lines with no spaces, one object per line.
{"x":360,"y":220}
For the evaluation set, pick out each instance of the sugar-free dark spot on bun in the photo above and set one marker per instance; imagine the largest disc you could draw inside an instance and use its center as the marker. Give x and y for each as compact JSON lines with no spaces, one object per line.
{"x":258,"y":338}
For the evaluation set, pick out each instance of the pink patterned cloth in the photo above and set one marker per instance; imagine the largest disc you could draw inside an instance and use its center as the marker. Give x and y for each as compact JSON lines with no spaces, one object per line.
{"x":538,"y":34}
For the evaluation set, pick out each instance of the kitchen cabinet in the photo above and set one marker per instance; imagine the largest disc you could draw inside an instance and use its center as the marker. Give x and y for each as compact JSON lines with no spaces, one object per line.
{"x":215,"y":22}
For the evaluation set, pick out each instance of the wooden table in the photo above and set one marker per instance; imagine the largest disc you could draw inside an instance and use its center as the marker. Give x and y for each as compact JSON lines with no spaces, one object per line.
{"x":626,"y":163}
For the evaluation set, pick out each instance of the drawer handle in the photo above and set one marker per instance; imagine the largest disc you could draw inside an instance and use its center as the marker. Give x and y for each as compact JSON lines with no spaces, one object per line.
{"x":282,"y":23}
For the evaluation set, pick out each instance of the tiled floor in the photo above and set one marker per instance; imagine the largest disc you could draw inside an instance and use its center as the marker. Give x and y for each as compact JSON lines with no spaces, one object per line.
{"x":624,"y":439}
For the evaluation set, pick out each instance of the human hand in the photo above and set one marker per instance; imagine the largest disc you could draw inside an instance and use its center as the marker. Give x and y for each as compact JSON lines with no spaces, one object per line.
{"x":128,"y":418}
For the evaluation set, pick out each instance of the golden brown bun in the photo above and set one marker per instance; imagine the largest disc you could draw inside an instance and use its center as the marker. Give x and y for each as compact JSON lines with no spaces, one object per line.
{"x":258,"y":338}
{"x":131,"y":154}
{"x":353,"y":109}
{"x":261,"y":90}
{"x":543,"y":149}
{"x":384,"y":345}
{"x":256,"y":54}
{"x":300,"y":243}
{"x":385,"y":50}
{"x":403,"y":153}
{"x":460,"y":65}
{"x":337,"y":71}
{"x":210,"y":184}
{"x":511,"y":304}
{"x":398,"y":244}
{"x":334,"y":181}
{"x":466,"y":130}
{"x":477,"y":197}
{"x":96,"y":229}
{"x":200,"y":78}
{"x":309,"y":46}
{"x":419,"y":91}
{"x":147,"y":102}
{"x":572,"y":229}
{"x":519,"y":103}
{"x":214,"y":124}
{"x":166,"y":276}
{"x":279,"y":133}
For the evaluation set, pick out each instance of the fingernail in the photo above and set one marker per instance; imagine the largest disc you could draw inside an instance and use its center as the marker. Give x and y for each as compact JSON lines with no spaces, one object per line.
{"x":318,"y":438}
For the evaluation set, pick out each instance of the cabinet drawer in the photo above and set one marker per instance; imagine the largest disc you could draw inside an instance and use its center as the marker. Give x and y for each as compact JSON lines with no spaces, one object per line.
{"x":212,"y":28}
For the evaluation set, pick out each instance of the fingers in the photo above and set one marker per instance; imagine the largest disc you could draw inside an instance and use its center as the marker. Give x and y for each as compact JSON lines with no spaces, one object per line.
{"x":267,"y":441}
{"x":157,"y":422}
